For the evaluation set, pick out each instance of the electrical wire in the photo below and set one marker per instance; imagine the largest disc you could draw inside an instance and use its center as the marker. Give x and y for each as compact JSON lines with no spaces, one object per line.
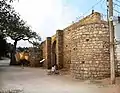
{"x":89,"y":10}
{"x":117,"y":1}
{"x":92,"y":7}
{"x":104,"y":16}
{"x":116,"y":11}
{"x":116,"y":4}
{"x":102,"y":5}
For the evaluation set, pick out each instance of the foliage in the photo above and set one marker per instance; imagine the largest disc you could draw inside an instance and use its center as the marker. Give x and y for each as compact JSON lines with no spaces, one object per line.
{"x":20,"y":49}
{"x":11,"y":25}
{"x":3,"y":46}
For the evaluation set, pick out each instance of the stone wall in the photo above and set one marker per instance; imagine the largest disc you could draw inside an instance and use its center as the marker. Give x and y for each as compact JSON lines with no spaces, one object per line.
{"x":67,"y":48}
{"x":82,"y":48}
{"x":48,"y":52}
{"x":34,"y":57}
{"x":93,"y":18}
{"x":53,"y":46}
{"x":43,"y":48}
{"x":59,"y":48}
{"x":90,"y":52}
{"x":86,"y":48}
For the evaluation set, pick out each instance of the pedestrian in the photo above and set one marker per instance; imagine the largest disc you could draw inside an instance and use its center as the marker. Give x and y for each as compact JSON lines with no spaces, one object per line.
{"x":22,"y":59}
{"x":53,"y":69}
{"x":22,"y":64}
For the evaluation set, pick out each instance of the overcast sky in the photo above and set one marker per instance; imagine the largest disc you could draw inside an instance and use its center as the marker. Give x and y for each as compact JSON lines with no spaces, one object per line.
{"x":46,"y":16}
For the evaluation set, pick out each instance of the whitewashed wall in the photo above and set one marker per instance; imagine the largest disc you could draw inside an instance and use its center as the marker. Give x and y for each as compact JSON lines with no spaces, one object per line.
{"x":117,"y":37}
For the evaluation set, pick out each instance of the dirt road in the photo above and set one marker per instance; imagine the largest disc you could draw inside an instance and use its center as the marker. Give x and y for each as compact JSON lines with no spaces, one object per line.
{"x":36,"y":80}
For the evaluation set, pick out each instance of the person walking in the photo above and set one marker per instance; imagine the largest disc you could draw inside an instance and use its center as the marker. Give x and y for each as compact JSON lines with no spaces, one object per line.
{"x":22,"y":59}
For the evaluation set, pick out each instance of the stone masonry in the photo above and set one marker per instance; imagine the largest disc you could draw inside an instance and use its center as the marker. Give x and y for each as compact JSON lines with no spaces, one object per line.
{"x":48,"y":52}
{"x":90,"y":51}
{"x":59,"y":48}
{"x":82,"y":48}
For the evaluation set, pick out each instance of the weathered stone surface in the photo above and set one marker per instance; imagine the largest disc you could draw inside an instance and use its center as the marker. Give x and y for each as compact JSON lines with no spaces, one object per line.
{"x":34,"y":57}
{"x":83,"y":48}
{"x":86,"y":48}
{"x":48,"y":52}
{"x":59,"y":48}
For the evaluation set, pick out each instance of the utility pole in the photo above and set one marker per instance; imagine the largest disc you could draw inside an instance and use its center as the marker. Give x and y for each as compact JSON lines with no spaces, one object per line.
{"x":112,"y":50}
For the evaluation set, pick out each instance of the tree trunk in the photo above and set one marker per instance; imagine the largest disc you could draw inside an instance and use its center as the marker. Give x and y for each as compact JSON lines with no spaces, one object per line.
{"x":13,"y":52}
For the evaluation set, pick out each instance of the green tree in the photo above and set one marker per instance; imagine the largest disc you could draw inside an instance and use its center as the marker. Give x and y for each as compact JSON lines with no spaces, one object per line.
{"x":3,"y":46}
{"x":11,"y":25}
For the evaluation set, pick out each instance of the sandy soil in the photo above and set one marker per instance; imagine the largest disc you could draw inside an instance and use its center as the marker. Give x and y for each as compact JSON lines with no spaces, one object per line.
{"x":36,"y":80}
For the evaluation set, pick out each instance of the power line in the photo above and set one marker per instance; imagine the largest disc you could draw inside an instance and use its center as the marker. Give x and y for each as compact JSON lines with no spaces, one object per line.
{"x":89,"y":10}
{"x":104,"y":15}
{"x":102,"y":5}
{"x":92,"y":7}
{"x":116,"y":4}
{"x":116,"y":11}
{"x":117,"y":1}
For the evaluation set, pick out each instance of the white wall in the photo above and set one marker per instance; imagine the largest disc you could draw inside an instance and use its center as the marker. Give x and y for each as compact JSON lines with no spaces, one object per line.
{"x":117,"y":31}
{"x":117,"y":37}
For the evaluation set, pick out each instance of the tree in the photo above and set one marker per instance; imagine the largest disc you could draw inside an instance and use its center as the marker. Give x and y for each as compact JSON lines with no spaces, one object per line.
{"x":3,"y":46}
{"x":18,"y":30}
{"x":11,"y":25}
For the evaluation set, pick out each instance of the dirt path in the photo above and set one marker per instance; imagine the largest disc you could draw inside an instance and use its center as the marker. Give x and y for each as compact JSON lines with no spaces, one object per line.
{"x":36,"y":80}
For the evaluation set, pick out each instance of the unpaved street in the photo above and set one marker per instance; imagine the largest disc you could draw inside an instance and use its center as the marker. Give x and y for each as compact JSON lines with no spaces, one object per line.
{"x":36,"y":80}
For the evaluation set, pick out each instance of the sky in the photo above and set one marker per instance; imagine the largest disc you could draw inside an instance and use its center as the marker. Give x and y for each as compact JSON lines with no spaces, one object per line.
{"x":47,"y":16}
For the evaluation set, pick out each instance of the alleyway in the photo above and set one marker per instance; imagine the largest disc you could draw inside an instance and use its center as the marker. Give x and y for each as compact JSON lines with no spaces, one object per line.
{"x":36,"y":80}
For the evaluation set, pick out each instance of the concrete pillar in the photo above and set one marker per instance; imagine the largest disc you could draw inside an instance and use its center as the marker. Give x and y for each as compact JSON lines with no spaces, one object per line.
{"x":48,"y":52}
{"x":59,"y":48}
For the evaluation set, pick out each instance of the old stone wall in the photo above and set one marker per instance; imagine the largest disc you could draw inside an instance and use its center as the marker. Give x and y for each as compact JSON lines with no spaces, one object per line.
{"x":43,"y":50}
{"x":67,"y":49}
{"x":82,"y":48}
{"x":90,"y":52}
{"x":59,"y":48}
{"x":86,"y":48}
{"x":93,"y":18}
{"x":53,"y":50}
{"x":48,"y":52}
{"x":34,"y":57}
